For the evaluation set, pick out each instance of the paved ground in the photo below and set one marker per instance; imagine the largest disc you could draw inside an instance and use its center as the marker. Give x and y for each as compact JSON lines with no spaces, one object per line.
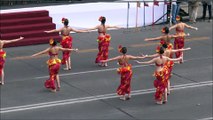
{"x":88,"y":91}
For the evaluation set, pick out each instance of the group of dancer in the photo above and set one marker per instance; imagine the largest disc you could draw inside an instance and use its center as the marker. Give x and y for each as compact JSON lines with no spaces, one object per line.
{"x":163,"y":59}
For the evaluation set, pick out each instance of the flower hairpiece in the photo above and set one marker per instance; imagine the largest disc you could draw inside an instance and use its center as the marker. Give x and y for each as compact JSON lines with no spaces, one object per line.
{"x":100,"y":18}
{"x":119,"y":48}
{"x":178,"y":18}
{"x":162,"y":42}
{"x":51,"y":41}
{"x":63,"y":19}
{"x":163,"y":30}
{"x":158,"y":49}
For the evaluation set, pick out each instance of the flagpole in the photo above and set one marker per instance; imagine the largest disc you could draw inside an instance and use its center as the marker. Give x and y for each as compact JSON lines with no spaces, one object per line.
{"x":153,"y":15}
{"x":136,"y":15}
{"x":163,"y":13}
{"x":127,"y":25}
{"x":144,"y":14}
{"x":170,"y":21}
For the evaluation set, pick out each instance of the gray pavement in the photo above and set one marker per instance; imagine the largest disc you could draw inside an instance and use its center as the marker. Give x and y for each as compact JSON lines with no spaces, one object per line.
{"x":89,"y":92}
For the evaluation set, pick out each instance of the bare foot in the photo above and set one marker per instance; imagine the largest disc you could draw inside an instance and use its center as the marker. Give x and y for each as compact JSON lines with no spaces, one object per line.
{"x":1,"y":83}
{"x":159,"y":102}
{"x":165,"y":101}
{"x":66,"y":68}
{"x":58,"y":89}
{"x":123,"y":98}
{"x":53,"y":90}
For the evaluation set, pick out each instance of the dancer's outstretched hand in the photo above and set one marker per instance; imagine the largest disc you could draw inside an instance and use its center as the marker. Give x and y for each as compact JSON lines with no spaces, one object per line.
{"x":137,"y":61}
{"x":76,"y":50}
{"x":21,"y":37}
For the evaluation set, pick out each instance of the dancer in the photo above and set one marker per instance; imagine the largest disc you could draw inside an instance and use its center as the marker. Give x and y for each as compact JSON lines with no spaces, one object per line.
{"x":53,"y":64}
{"x":125,"y":71}
{"x":3,"y":56}
{"x":179,"y":41}
{"x":66,"y":41}
{"x":161,"y":74}
{"x":168,"y":52}
{"x":166,"y":37}
{"x":103,"y":41}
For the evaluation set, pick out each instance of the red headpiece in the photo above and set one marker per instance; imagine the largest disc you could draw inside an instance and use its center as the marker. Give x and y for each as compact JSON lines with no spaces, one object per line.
{"x":178,"y":18}
{"x":120,"y":48}
{"x":51,"y":41}
{"x":100,"y":18}
{"x":63,"y":19}
{"x":163,"y":30}
{"x":158,"y":49}
{"x":162,"y":42}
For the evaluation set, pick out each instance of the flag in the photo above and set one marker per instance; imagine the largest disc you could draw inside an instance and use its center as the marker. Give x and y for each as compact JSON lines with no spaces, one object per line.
{"x":138,"y":4}
{"x":146,"y":4}
{"x":156,"y":3}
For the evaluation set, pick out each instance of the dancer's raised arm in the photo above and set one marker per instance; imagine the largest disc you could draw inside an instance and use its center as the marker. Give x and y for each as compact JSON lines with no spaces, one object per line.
{"x":11,"y":41}
{"x":40,"y":53}
{"x":54,"y":30}
{"x":190,"y":27}
{"x":68,"y":49}
{"x":180,"y":50}
{"x":152,"y":39}
{"x":111,"y":59}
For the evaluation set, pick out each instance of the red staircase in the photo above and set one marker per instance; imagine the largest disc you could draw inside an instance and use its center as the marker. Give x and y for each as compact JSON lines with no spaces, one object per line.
{"x":31,"y":25}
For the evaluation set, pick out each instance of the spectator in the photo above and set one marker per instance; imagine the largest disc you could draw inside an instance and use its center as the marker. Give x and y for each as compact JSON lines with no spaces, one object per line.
{"x":175,"y":10}
{"x":205,"y":4}
{"x":193,"y":8}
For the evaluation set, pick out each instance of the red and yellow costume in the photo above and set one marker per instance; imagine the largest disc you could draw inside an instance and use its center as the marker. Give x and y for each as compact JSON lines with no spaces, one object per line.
{"x":126,"y":76}
{"x":161,"y":82}
{"x":54,"y":66}
{"x":103,"y":47}
{"x":170,"y":64}
{"x":66,"y":43}
{"x":179,"y":42}
{"x":2,"y":60}
{"x":162,"y":78}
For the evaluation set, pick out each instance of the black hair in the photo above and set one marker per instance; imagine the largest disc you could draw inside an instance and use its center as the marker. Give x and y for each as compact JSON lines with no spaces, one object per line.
{"x":103,"y":20}
{"x":166,"y":30}
{"x":161,"y":50}
{"x":124,"y":50}
{"x":66,"y":22}
{"x":164,"y":45}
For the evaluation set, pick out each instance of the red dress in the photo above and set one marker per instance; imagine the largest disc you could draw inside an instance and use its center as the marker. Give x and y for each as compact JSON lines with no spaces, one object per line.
{"x":161,"y":82}
{"x":179,"y":42}
{"x":103,"y":47}
{"x":126,"y":75}
{"x":54,"y":66}
{"x":66,"y":43}
{"x":2,"y":60}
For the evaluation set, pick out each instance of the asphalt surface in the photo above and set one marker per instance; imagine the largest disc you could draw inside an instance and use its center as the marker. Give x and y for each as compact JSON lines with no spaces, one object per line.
{"x":89,"y":91}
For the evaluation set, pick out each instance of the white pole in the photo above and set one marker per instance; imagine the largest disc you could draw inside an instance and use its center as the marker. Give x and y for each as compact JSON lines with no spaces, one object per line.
{"x":171,"y":14}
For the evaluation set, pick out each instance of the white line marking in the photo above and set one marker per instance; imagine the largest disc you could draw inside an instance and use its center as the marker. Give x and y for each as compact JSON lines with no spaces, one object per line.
{"x":209,"y":118}
{"x":97,"y":97}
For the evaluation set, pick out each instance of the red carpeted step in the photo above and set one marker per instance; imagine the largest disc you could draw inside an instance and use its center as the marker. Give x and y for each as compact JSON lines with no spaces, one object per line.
{"x":33,"y":41}
{"x":31,"y":25}
{"x":27,"y":34}
{"x":21,"y":28}
{"x":25,"y":21}
{"x":31,"y":14}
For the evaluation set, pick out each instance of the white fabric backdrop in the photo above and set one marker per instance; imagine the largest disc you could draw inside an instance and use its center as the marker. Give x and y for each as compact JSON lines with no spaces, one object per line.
{"x":86,"y":15}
